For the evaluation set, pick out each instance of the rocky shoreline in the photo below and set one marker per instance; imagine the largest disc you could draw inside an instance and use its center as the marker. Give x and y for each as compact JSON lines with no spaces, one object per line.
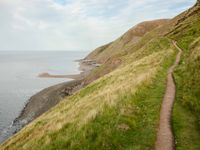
{"x":49,"y":97}
{"x":85,"y":66}
{"x":44,"y":100}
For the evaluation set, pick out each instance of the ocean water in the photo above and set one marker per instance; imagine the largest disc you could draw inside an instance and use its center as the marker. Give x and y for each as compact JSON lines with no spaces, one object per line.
{"x":19,"y":81}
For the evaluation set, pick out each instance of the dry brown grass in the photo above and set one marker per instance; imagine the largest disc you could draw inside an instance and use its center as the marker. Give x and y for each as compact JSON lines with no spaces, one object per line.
{"x":86,"y":104}
{"x":132,"y":36}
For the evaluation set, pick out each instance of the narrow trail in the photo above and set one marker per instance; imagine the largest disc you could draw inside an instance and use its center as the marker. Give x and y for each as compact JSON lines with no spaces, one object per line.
{"x":165,"y":139}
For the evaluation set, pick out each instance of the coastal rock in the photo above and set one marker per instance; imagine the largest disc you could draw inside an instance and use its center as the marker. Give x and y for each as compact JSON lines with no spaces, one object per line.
{"x":44,"y":100}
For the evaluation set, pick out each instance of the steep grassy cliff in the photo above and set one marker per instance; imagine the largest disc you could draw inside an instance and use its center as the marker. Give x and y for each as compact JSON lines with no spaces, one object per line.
{"x":109,"y":112}
{"x":120,"y":108}
{"x":132,"y":36}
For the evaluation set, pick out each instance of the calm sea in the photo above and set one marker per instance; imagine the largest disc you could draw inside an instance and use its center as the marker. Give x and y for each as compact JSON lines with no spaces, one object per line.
{"x":19,"y":81}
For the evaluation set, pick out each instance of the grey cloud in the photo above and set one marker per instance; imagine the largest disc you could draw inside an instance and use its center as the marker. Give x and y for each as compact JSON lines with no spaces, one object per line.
{"x":77,"y":25}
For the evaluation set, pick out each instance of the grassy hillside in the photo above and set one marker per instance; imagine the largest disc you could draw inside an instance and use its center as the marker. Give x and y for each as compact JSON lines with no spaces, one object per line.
{"x":111,"y":55}
{"x":113,"y":112}
{"x":186,"y":115}
{"x":132,"y":36}
{"x":120,"y":110}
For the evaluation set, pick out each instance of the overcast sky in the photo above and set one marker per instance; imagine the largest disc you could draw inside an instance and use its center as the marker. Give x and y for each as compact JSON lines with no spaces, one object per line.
{"x":76,"y":24}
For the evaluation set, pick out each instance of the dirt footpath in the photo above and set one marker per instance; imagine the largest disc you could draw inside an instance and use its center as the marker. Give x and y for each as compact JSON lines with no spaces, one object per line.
{"x":165,"y":138}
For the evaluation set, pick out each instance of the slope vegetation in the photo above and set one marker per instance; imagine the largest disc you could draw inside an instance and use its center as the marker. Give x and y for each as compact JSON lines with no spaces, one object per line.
{"x":120,"y":109}
{"x":110,"y":55}
{"x":132,"y":36}
{"x":186,"y":115}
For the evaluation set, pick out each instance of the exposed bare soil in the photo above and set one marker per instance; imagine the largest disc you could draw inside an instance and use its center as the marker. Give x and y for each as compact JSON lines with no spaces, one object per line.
{"x":165,"y":138}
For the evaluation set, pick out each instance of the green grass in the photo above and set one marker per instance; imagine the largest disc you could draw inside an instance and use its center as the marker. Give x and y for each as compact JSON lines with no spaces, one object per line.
{"x":186,"y":128}
{"x":187,"y":107}
{"x":186,"y":115}
{"x":131,"y":124}
{"x":121,"y":109}
{"x":117,"y":111}
{"x":187,"y":31}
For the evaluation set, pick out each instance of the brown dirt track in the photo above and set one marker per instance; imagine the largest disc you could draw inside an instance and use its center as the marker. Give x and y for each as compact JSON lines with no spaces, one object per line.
{"x":165,"y":138}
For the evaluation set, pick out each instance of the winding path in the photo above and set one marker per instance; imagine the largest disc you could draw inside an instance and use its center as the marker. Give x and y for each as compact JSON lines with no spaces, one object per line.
{"x":165,"y":139}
